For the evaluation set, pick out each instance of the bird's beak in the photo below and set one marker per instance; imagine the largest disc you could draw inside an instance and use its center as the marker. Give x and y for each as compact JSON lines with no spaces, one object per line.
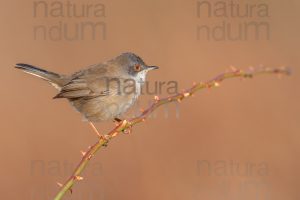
{"x":152,"y":67}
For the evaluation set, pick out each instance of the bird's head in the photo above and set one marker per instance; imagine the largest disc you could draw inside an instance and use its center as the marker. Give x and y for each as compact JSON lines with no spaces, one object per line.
{"x":132,"y":66}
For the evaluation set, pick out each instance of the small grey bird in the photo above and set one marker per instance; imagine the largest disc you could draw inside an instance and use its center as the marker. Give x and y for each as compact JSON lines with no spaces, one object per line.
{"x":102,"y":91}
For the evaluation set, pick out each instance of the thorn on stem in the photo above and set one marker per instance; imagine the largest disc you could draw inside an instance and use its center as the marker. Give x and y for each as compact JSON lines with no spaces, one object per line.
{"x":78,"y":178}
{"x":83,"y":153}
{"x":90,"y":157}
{"x":216,"y":84}
{"x":232,"y":68}
{"x":59,"y":184}
{"x":115,"y":134}
{"x":186,"y":94}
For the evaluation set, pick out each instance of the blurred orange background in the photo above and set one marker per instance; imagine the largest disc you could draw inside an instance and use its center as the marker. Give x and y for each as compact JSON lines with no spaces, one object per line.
{"x":253,"y":123}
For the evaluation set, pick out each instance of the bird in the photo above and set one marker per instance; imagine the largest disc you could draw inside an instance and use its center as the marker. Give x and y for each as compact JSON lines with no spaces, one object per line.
{"x":100,"y":92}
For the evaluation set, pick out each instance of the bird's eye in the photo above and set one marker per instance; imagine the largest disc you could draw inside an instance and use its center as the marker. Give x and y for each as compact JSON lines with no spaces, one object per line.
{"x":137,"y":68}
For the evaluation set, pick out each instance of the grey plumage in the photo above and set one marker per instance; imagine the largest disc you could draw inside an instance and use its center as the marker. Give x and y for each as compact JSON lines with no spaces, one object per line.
{"x":99,"y":91}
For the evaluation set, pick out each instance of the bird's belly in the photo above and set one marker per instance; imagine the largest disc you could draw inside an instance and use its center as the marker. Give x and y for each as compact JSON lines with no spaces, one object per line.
{"x":118,"y":105}
{"x":105,"y":108}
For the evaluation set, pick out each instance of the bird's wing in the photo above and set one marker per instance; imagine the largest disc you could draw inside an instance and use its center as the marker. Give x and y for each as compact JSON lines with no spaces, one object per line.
{"x":81,"y":87}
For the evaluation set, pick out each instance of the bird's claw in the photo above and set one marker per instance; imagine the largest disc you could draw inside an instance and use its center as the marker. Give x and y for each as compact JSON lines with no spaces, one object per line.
{"x":106,"y":139}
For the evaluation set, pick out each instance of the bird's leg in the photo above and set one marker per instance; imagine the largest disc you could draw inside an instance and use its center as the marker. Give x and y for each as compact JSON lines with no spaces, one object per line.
{"x":105,"y":137}
{"x":95,"y":129}
{"x":118,"y":121}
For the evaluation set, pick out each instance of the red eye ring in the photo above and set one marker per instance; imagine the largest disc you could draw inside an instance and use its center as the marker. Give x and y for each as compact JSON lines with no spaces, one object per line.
{"x":137,"y":68}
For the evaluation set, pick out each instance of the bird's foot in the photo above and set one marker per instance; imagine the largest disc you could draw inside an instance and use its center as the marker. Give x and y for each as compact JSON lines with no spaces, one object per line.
{"x":127,"y":130}
{"x":106,"y":139}
{"x":119,"y":122}
{"x":116,"y":119}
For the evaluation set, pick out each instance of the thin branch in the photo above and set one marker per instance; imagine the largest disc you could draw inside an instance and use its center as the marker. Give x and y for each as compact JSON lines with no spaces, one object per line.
{"x":126,"y":125}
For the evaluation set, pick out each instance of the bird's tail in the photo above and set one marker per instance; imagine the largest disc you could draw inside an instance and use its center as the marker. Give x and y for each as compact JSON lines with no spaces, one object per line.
{"x":54,"y":79}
